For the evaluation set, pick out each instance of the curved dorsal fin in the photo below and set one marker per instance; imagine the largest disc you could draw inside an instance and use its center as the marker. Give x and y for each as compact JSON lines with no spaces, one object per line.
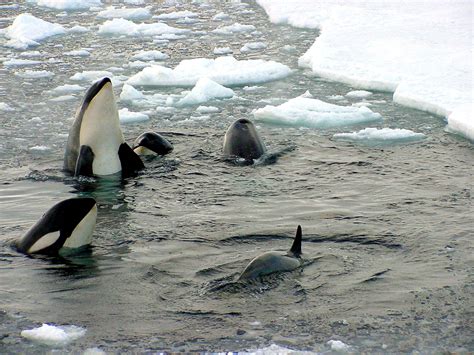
{"x":296,"y":247}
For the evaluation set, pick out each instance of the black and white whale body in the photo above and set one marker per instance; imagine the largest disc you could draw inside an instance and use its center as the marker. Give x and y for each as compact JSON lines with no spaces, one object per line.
{"x":96,"y":145}
{"x":151,"y":143}
{"x":67,"y":225}
{"x":273,"y":261}
{"x":242,"y":141}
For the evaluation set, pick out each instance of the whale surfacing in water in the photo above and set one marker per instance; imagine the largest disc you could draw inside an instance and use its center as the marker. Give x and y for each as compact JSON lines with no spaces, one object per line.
{"x":95,"y":144}
{"x":151,"y":143}
{"x":67,"y":225}
{"x":273,"y":261}
{"x":242,"y":141}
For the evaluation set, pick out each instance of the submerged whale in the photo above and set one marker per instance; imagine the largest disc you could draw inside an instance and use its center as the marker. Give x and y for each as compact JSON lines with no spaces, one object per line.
{"x":151,"y":143}
{"x":67,"y":225}
{"x":95,"y":144}
{"x":273,"y":261}
{"x":242,"y":141}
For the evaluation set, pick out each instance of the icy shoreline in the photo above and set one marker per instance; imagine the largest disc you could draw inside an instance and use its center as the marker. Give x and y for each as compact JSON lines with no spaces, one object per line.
{"x":422,"y":52}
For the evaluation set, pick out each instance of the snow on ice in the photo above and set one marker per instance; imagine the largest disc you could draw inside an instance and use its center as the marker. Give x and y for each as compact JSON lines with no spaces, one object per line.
{"x":205,"y":90}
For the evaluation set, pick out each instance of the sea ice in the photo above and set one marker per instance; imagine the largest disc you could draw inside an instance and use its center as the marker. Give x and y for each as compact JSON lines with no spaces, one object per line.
{"x":205,"y":90}
{"x":78,"y":53}
{"x":63,"y":98}
{"x":226,"y":71}
{"x":307,"y":112}
{"x":338,"y":345}
{"x":127,"y":116}
{"x":54,"y":335}
{"x":207,"y":109}
{"x":253,"y":46}
{"x":222,"y":50}
{"x":126,"y":13}
{"x":221,"y":16}
{"x":28,"y":30}
{"x":416,"y":50}
{"x":91,"y":75}
{"x":68,"y":4}
{"x":67,"y":88}
{"x":235,"y":28}
{"x":130,"y":94}
{"x":6,"y":107}
{"x":175,"y":15}
{"x":78,"y":29}
{"x":150,"y":55}
{"x":375,"y":135}
{"x":20,"y":62}
{"x":358,"y":94}
{"x":461,"y":121}
{"x":34,"y":74}
{"x":134,"y":2}
{"x":120,"y":26}
{"x":38,"y":148}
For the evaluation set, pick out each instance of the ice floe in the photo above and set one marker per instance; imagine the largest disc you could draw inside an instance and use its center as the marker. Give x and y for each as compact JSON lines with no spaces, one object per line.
{"x":358,"y":94}
{"x":150,"y":55}
{"x":233,"y":29}
{"x":308,"y":112}
{"x":226,"y":71}
{"x":205,"y":90}
{"x":175,"y":15}
{"x":127,"y":116}
{"x":337,"y":345}
{"x":54,"y":335}
{"x":383,"y":135}
{"x":78,"y":29}
{"x":28,"y":30}
{"x":120,"y":26}
{"x":68,"y":88}
{"x":130,"y":94}
{"x":91,"y":75}
{"x":78,"y":53}
{"x":222,"y":50}
{"x":67,"y":4}
{"x":6,"y":107}
{"x":34,"y":74}
{"x":253,"y":46}
{"x":20,"y":62}
{"x":416,"y":50}
{"x":221,"y":16}
{"x":461,"y":120}
{"x":126,"y":13}
{"x":207,"y":109}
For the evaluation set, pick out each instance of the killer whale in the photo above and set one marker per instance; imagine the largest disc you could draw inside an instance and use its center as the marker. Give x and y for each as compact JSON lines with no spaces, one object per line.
{"x":242,"y":141}
{"x":151,"y":143}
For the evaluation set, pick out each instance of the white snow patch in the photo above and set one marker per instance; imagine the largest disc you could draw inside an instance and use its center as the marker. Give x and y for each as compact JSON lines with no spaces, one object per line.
{"x":34,"y":74}
{"x":253,"y":46}
{"x":150,"y":55}
{"x":461,"y":121}
{"x":78,"y":53}
{"x":126,"y":13}
{"x":381,"y":135}
{"x":54,"y":335}
{"x":205,"y":90}
{"x":416,"y":50}
{"x":307,"y":112}
{"x":235,"y":28}
{"x":338,"y":345}
{"x":127,"y":116}
{"x":175,"y":15}
{"x":91,"y":75}
{"x":67,"y":4}
{"x":120,"y":26}
{"x":28,"y":30}
{"x":226,"y":71}
{"x":358,"y":94}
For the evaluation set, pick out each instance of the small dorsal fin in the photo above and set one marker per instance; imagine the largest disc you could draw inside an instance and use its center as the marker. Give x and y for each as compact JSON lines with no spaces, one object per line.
{"x":296,"y":247}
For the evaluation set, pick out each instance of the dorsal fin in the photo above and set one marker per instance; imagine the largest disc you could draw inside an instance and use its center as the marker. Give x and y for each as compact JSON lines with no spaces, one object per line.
{"x":296,"y":247}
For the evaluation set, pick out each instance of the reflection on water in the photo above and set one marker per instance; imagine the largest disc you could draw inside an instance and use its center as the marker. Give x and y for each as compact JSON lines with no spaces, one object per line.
{"x":387,"y":228}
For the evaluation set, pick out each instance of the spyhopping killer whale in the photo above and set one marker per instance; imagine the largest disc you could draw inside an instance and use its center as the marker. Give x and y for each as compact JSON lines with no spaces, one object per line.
{"x":95,"y":144}
{"x":67,"y":225}
{"x":272,"y":261}
{"x":151,"y":143}
{"x":242,"y":141}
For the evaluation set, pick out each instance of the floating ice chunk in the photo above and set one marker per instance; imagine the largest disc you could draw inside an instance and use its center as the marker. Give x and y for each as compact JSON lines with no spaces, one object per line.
{"x":150,"y":55}
{"x":134,"y":2}
{"x":235,"y":28}
{"x":207,"y":109}
{"x":338,"y":345}
{"x":34,"y":74}
{"x":205,"y":90}
{"x":169,"y":37}
{"x":128,"y":14}
{"x":78,"y":53}
{"x":307,"y":112}
{"x":358,"y":94}
{"x":38,"y":148}
{"x":6,"y":107}
{"x":253,"y":88}
{"x":253,"y":46}
{"x":165,"y":109}
{"x":28,"y":30}
{"x":91,"y":75}
{"x":78,"y":29}
{"x":226,"y":71}
{"x":120,"y":26}
{"x":68,"y":88}
{"x":54,"y":335}
{"x":221,"y":16}
{"x":20,"y":62}
{"x":31,"y":54}
{"x":363,"y":103}
{"x":9,"y":7}
{"x":63,"y":98}
{"x":222,"y":50}
{"x":68,"y":4}
{"x":95,"y":351}
{"x":461,"y":121}
{"x":175,"y":15}
{"x":187,"y":20}
{"x":384,"y":135}
{"x":336,"y":97}
{"x":127,"y":116}
{"x":129,"y":94}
